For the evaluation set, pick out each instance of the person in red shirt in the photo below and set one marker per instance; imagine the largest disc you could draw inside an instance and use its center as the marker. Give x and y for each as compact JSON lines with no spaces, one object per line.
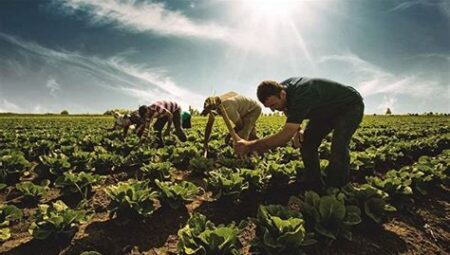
{"x":164,"y":112}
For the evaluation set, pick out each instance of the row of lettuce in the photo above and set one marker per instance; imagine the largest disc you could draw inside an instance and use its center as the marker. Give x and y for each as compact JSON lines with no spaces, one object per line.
{"x":77,"y":159}
{"x":305,"y":221}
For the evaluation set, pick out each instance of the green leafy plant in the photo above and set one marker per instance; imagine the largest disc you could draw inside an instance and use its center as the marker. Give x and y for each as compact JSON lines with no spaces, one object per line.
{"x":396,"y":184}
{"x":55,"y":163}
{"x":174,"y":194}
{"x":12,"y":165}
{"x":32,"y":191}
{"x":102,"y":161}
{"x":280,"y":230}
{"x":201,"y":165}
{"x":328,"y":215}
{"x":8,"y":213}
{"x":201,"y":237}
{"x":56,"y":221}
{"x":157,"y":170}
{"x":226,"y":183}
{"x":80,"y":183}
{"x":180,"y":156}
{"x":131,"y":199}
{"x":372,"y":202}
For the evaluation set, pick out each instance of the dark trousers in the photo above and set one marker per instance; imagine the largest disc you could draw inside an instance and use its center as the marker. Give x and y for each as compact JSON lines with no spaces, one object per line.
{"x":161,"y":122}
{"x":343,"y":126}
{"x":187,"y":122}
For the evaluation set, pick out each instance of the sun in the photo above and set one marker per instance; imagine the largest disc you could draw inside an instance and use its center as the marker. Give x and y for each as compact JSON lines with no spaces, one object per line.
{"x":270,"y":8}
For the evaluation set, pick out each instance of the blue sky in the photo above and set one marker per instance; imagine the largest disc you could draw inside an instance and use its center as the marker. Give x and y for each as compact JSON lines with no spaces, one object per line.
{"x":88,"y":56}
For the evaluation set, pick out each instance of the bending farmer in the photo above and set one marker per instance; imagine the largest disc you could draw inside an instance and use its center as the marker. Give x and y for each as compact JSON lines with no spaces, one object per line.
{"x":329,"y":106}
{"x":164,"y":112}
{"x":242,"y":111}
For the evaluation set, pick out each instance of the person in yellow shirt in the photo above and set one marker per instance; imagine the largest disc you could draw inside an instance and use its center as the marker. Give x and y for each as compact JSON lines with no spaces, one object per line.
{"x":242,"y":111}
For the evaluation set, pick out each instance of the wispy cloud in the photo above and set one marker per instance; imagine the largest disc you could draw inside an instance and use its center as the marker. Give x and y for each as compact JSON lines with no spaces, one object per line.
{"x":442,"y":5}
{"x":372,"y":80}
{"x":115,"y":73}
{"x":143,"y":16}
{"x":155,"y":18}
{"x":53,"y":86}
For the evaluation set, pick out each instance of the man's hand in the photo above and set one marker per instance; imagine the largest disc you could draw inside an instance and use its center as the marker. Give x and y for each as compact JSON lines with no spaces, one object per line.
{"x":242,"y":147}
{"x":298,"y":139}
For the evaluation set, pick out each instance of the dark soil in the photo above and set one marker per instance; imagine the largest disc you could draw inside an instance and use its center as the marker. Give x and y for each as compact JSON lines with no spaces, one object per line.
{"x":421,"y":229}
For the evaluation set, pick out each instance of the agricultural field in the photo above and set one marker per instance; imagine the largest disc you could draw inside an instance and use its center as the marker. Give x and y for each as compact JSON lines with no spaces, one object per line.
{"x":69,"y":186}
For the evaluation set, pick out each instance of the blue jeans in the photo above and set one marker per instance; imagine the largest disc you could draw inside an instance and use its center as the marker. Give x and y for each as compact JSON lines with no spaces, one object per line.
{"x":343,"y":126}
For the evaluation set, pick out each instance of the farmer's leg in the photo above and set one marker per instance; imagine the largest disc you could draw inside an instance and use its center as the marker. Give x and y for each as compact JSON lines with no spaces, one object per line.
{"x":314,"y":133}
{"x":249,"y":122}
{"x":253,"y":135}
{"x":177,"y":125}
{"x":158,"y":127}
{"x":345,"y":126}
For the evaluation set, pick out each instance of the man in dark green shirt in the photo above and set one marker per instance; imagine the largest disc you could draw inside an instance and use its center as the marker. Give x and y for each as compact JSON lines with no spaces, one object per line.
{"x":329,"y":106}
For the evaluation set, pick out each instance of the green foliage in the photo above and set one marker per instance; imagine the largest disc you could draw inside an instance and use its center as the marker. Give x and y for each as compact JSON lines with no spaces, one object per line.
{"x":226,"y":183}
{"x":201,"y":237}
{"x":256,"y":179}
{"x":80,"y":183}
{"x":201,"y":165}
{"x":280,"y":230}
{"x":104,"y":162}
{"x":180,"y":156}
{"x":131,"y":199}
{"x":12,"y":165}
{"x":33,"y":191}
{"x":372,"y":202}
{"x":328,"y":215}
{"x":174,"y":194}
{"x":8,"y":213}
{"x":157,"y":170}
{"x":56,"y":220}
{"x":281,"y":173}
{"x":55,"y":163}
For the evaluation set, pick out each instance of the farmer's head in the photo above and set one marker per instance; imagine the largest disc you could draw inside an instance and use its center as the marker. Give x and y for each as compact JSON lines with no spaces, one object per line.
{"x":272,"y":95}
{"x":211,"y":104}
{"x":122,"y":120}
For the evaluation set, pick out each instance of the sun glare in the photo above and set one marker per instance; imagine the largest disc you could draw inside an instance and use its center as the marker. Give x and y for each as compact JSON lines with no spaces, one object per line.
{"x":270,"y":8}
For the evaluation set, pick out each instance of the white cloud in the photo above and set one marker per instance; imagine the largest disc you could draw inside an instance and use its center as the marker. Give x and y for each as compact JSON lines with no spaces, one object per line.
{"x":114,"y":73}
{"x":395,"y":90}
{"x":53,"y":86}
{"x":7,"y":106}
{"x":388,"y":102}
{"x":442,"y":5}
{"x":372,"y":80}
{"x":143,"y":16}
{"x":247,"y":32}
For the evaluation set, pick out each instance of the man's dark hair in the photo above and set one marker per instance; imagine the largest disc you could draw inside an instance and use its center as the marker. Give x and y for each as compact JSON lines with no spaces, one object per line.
{"x":268,"y":88}
{"x":142,"y":111}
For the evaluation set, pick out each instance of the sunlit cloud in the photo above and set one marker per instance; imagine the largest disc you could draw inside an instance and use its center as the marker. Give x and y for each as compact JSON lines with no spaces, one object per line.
{"x":116,"y":73}
{"x":143,"y":16}
{"x":256,"y":31}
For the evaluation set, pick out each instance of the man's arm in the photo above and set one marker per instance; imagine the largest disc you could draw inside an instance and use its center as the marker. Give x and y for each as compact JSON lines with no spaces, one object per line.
{"x":125,"y":131}
{"x":208,"y":129}
{"x":243,"y":147}
{"x":170,"y":116}
{"x":146,"y":126}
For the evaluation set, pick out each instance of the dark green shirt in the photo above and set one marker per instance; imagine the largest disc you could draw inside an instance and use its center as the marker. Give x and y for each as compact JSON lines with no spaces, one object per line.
{"x":316,"y":98}
{"x":185,"y":115}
